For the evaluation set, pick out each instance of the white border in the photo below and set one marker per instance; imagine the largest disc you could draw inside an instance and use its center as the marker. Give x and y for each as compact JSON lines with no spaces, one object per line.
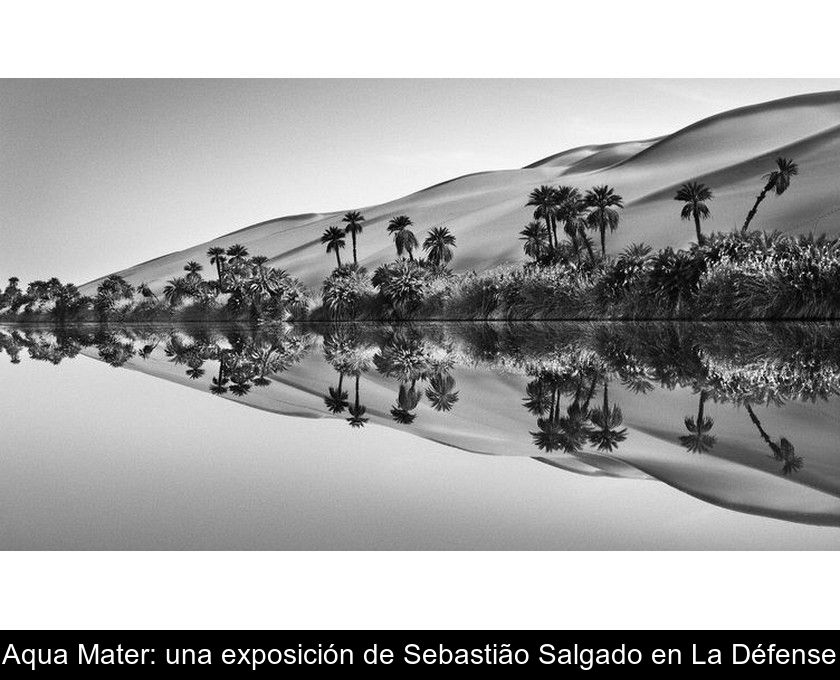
{"x":481,"y":590}
{"x":434,"y":38}
{"x":427,"y":590}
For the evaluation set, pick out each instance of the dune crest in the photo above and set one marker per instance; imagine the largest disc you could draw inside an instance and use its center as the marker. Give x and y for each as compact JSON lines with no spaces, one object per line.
{"x":486,"y":209}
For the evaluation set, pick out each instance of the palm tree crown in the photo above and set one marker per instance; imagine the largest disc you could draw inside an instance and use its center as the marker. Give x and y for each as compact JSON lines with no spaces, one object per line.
{"x":237,"y":253}
{"x":333,"y":238}
{"x":439,"y":244}
{"x":694,"y":196}
{"x":441,"y":392}
{"x":535,"y":237}
{"x":217,"y":257}
{"x":404,"y":238}
{"x":193,"y":268}
{"x":778,"y":181}
{"x":544,"y":200}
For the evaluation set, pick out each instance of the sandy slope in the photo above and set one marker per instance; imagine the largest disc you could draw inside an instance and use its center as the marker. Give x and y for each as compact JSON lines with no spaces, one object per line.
{"x":485,"y":210}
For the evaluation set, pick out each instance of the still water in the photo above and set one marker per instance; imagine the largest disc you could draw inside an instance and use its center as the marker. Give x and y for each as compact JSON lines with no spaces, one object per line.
{"x":424,"y":436}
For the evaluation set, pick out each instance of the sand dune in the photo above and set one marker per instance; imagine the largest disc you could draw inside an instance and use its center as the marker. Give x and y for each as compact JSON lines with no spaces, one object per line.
{"x":485,"y":210}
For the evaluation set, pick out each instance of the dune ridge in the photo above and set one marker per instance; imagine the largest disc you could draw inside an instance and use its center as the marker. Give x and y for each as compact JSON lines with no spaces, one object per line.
{"x":485,"y":210}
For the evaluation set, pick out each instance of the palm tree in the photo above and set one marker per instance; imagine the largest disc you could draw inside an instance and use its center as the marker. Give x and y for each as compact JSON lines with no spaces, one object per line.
{"x":219,"y":386}
{"x":237,"y":254}
{"x":357,"y":411}
{"x":607,"y":420}
{"x":602,"y":202}
{"x":407,"y":400}
{"x":333,"y":238}
{"x":694,"y":195}
{"x":549,"y":436}
{"x":217,"y":257}
{"x":439,"y":244}
{"x":699,"y":440}
{"x":573,"y":214}
{"x":534,"y":237}
{"x":336,"y":400}
{"x":544,"y":200}
{"x":539,"y":397}
{"x":569,"y":209}
{"x":778,"y":180}
{"x":441,"y":392}
{"x":175,"y":291}
{"x":404,"y":238}
{"x":783,"y":451}
{"x":354,"y":220}
{"x":144,"y":290}
{"x":193,"y":268}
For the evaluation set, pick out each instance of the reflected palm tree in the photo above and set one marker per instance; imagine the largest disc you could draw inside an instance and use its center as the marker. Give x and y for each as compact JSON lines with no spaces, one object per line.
{"x":146,"y":351}
{"x":555,"y":433}
{"x":219,"y":383}
{"x":357,"y":411}
{"x":538,"y":397}
{"x":699,"y":440}
{"x":240,"y":386}
{"x":407,"y":400}
{"x":336,"y":399}
{"x":195,"y":372}
{"x":441,"y":392}
{"x":607,"y":420}
{"x":114,"y":351}
{"x":783,"y":451}
{"x":549,"y":435}
{"x":219,"y":386}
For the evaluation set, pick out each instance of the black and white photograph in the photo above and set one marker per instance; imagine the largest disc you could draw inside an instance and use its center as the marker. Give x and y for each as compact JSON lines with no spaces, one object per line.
{"x":321,"y":326}
{"x":607,"y":345}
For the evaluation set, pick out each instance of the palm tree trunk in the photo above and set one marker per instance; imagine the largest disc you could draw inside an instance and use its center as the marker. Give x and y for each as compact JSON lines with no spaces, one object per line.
{"x":340,"y":381}
{"x":700,"y":408}
{"x":754,"y":209}
{"x":337,"y":259}
{"x":548,"y":229}
{"x":697,"y":227}
{"x":603,"y":240}
{"x":353,"y":234}
{"x":575,"y":244}
{"x":357,"y":392}
{"x":587,"y":243}
{"x":590,"y":393}
{"x":554,"y":230}
{"x":757,"y":423}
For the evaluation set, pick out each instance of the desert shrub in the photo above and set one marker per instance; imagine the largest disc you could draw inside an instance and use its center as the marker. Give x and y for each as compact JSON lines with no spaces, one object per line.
{"x":345,"y":291}
{"x":474,"y":297}
{"x":672,"y":282}
{"x":621,"y":276}
{"x":402,"y":287}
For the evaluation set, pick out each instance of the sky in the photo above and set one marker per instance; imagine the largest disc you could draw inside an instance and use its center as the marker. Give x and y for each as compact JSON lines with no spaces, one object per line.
{"x":98,"y":175}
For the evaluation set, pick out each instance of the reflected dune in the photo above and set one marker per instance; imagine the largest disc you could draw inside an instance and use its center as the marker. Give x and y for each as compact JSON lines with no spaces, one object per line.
{"x":743,"y":416}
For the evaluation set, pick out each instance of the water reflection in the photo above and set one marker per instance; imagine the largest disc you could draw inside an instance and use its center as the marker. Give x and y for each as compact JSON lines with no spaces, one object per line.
{"x":576,"y":382}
